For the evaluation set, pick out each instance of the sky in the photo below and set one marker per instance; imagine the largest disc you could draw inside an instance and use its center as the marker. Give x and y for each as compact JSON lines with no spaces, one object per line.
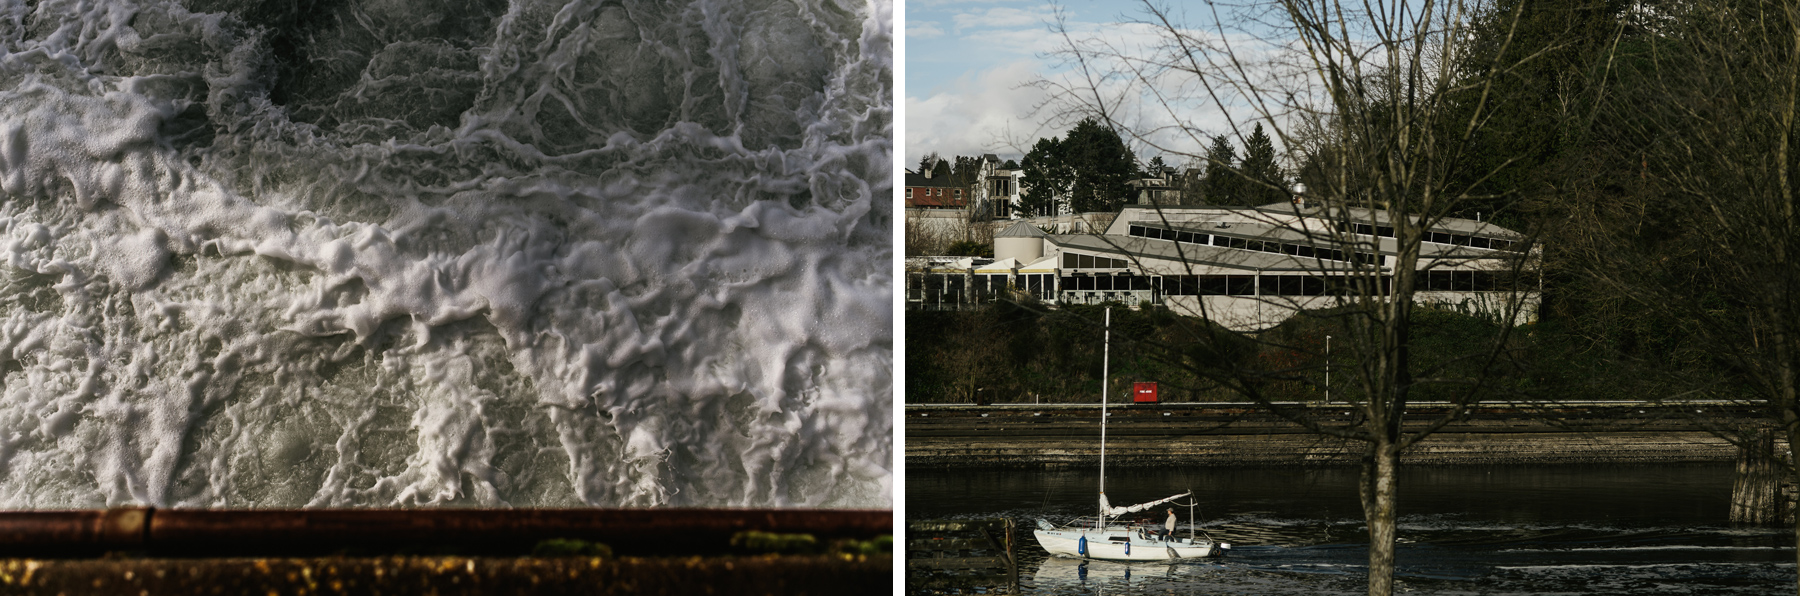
{"x":969,"y":65}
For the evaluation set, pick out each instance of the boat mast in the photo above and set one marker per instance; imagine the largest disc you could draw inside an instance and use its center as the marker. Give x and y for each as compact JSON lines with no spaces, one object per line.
{"x":1192,"y":501}
{"x":1105,"y":371}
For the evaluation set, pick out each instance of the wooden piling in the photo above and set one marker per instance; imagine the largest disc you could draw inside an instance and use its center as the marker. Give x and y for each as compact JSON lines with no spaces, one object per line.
{"x":962,"y":557}
{"x":1756,"y":496}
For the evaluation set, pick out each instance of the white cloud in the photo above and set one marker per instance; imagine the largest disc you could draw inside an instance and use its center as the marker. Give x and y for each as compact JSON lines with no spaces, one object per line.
{"x":1002,"y":18}
{"x":996,"y":111}
{"x":976,"y":113}
{"x":921,"y":3}
{"x":923,"y":30}
{"x":986,"y":108}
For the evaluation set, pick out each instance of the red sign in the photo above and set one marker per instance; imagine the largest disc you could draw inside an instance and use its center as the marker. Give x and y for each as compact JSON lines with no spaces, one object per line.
{"x":1143,"y":393}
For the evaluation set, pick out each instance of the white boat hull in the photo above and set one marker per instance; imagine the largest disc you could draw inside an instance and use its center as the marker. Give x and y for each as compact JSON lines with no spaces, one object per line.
{"x":1120,"y":544}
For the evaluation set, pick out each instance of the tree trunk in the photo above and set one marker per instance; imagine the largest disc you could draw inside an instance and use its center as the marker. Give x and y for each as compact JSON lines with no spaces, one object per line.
{"x":1380,"y":493}
{"x":1754,"y":495}
{"x":1793,"y":506}
{"x":1790,"y":421}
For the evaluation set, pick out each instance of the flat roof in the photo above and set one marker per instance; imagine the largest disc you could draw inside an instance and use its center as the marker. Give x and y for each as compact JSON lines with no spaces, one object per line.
{"x":1324,"y":239}
{"x":1217,"y":256}
{"x":1454,"y":225}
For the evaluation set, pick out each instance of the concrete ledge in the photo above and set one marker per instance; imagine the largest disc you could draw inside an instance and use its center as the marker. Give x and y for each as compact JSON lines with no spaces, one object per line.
{"x":1448,"y":448}
{"x":1160,"y":435}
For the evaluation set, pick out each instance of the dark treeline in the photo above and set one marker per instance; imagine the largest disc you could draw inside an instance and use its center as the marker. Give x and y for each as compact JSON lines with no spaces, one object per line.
{"x":1023,"y":353}
{"x":1642,"y":142}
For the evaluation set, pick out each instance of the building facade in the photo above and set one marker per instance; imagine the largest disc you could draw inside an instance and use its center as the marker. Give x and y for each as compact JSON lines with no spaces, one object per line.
{"x":936,"y":206}
{"x":925,"y":192}
{"x":1244,"y":268}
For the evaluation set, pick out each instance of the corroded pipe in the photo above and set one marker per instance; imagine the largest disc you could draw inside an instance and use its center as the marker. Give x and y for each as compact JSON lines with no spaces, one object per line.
{"x":205,"y":532}
{"x":73,"y":532}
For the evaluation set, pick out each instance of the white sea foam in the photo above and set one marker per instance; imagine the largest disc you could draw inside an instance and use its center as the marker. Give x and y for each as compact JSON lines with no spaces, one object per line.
{"x":604,"y":253}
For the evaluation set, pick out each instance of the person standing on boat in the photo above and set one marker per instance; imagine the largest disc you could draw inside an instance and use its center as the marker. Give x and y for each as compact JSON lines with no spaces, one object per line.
{"x":1169,"y":527}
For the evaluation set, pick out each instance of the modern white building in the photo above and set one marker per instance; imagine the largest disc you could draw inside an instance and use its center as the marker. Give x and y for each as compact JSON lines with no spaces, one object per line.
{"x":1245,"y":268}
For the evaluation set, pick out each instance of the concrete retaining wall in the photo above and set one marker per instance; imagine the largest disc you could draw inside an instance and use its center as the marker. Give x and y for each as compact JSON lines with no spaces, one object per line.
{"x":1046,"y":436}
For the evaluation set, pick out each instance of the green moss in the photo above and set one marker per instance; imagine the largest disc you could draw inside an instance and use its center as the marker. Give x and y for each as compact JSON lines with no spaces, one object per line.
{"x":880,"y":545}
{"x":570,"y":547}
{"x":771,"y":542}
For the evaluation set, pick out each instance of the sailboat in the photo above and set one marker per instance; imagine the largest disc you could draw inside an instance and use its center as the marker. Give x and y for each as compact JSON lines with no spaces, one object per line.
{"x":1103,"y":536}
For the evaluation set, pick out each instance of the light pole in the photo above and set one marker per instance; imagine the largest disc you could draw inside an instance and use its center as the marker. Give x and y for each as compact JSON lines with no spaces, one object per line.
{"x":1327,"y":369}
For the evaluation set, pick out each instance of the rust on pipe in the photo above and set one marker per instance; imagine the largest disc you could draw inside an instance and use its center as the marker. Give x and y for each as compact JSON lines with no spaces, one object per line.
{"x":204,"y":532}
{"x":73,"y":532}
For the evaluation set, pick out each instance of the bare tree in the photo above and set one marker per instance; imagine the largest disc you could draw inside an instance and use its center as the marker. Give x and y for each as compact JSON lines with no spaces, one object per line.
{"x":1702,"y":231}
{"x":926,"y":236}
{"x":1383,"y":101}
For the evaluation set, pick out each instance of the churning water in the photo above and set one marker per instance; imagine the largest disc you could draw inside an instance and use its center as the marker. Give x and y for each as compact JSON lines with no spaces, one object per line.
{"x":405,"y":252}
{"x":1524,"y":530}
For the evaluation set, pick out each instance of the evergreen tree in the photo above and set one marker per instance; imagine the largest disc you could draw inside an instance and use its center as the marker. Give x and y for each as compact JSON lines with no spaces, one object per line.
{"x":1102,"y":165}
{"x":967,"y":171}
{"x":1047,"y":177}
{"x":1263,"y":182}
{"x":1090,"y":170}
{"x":1529,"y":124}
{"x":1315,"y":173}
{"x":941,"y":170}
{"x":1156,"y":167}
{"x":928,"y":162}
{"x":1219,"y":185}
{"x":1010,"y":165}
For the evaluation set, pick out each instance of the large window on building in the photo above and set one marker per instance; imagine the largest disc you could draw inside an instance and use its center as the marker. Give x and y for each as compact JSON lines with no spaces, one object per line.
{"x":1305,"y":251}
{"x":1292,"y":285}
{"x":1438,"y":237}
{"x":1240,"y":285}
{"x":1080,"y":261}
{"x":1112,"y":283}
{"x":990,"y":287}
{"x":1462,"y":280}
{"x":1268,"y":285}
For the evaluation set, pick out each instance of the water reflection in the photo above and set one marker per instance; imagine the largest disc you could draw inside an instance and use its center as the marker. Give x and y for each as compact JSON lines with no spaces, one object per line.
{"x":1502,"y":530}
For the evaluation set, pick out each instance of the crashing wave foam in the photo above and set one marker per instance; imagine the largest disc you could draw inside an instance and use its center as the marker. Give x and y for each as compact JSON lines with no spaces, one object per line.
{"x":602,"y":253}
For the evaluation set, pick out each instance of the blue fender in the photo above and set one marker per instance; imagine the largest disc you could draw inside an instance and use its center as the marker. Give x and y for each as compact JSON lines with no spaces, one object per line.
{"x":1081,"y":546}
{"x":1127,"y":547}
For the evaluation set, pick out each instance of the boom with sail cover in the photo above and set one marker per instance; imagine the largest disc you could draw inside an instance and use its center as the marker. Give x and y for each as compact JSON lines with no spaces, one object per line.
{"x":1118,"y":511}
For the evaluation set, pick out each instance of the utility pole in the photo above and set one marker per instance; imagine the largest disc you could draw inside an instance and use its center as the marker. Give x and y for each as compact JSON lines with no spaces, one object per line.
{"x":1327,"y":369}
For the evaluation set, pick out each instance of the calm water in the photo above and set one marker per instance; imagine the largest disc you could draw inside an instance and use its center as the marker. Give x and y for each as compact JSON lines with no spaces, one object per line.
{"x":1652,"y":529}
